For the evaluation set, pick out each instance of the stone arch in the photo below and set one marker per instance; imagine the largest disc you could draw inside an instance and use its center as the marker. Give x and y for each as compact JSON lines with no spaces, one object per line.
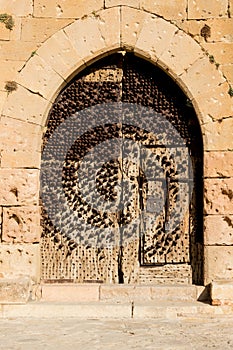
{"x":120,"y":28}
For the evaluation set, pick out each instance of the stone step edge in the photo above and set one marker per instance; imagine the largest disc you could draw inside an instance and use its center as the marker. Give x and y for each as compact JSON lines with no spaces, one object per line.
{"x":113,"y":310}
{"x":20,"y":291}
{"x":105,"y":292}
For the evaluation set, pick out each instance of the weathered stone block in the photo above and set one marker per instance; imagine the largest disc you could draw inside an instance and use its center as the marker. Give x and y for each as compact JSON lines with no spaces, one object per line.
{"x":227,"y":70}
{"x":80,"y":310}
{"x":45,"y":80}
{"x":14,"y":291}
{"x":124,"y":293}
{"x":15,"y":33}
{"x":66,"y":8}
{"x":195,"y":78}
{"x":222,"y":53}
{"x":170,"y":9}
{"x":221,"y":293}
{"x":4,"y":32}
{"x":207,"y":9}
{"x":218,"y":164}
{"x":231,"y":7}
{"x":218,"y":196}
{"x":172,"y":57}
{"x":8,"y":70}
{"x":20,"y":260}
{"x":133,"y":3}
{"x":131,"y":25}
{"x":40,"y":29}
{"x":89,"y":39}
{"x":154,"y":38}
{"x":19,"y":187}
{"x":3,"y":96}
{"x":16,"y":50}
{"x":191,"y":27}
{"x":59,"y":53}
{"x":218,"y":229}
{"x":20,"y":104}
{"x":218,"y":263}
{"x":220,"y":30}
{"x":218,"y":135}
{"x":174,"y":292}
{"x":109,"y":26}
{"x":20,"y":159}
{"x":17,"y":7}
{"x":216,"y":103}
{"x":17,"y":135}
{"x":70,"y":292}
{"x":21,"y":224}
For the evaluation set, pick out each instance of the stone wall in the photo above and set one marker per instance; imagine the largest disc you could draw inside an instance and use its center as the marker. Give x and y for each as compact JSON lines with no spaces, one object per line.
{"x":46,"y":42}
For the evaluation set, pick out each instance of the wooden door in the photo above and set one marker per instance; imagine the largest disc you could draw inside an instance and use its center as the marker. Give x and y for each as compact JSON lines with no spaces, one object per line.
{"x":122,"y":218}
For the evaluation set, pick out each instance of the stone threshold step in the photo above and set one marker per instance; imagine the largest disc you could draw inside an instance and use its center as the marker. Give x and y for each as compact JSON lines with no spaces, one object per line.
{"x":99,"y":310}
{"x":21,"y":290}
{"x":118,"y":293}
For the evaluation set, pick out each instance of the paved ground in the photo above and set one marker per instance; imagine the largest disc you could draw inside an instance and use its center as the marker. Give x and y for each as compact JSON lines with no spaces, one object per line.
{"x":70,"y":333}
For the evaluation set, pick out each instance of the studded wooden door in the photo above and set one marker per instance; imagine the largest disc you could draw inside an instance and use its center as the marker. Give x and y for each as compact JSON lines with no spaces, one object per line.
{"x":122,"y":133}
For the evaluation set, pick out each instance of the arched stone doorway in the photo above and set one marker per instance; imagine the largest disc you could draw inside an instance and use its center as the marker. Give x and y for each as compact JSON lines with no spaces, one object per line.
{"x":156,"y":253}
{"x":43,"y":75}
